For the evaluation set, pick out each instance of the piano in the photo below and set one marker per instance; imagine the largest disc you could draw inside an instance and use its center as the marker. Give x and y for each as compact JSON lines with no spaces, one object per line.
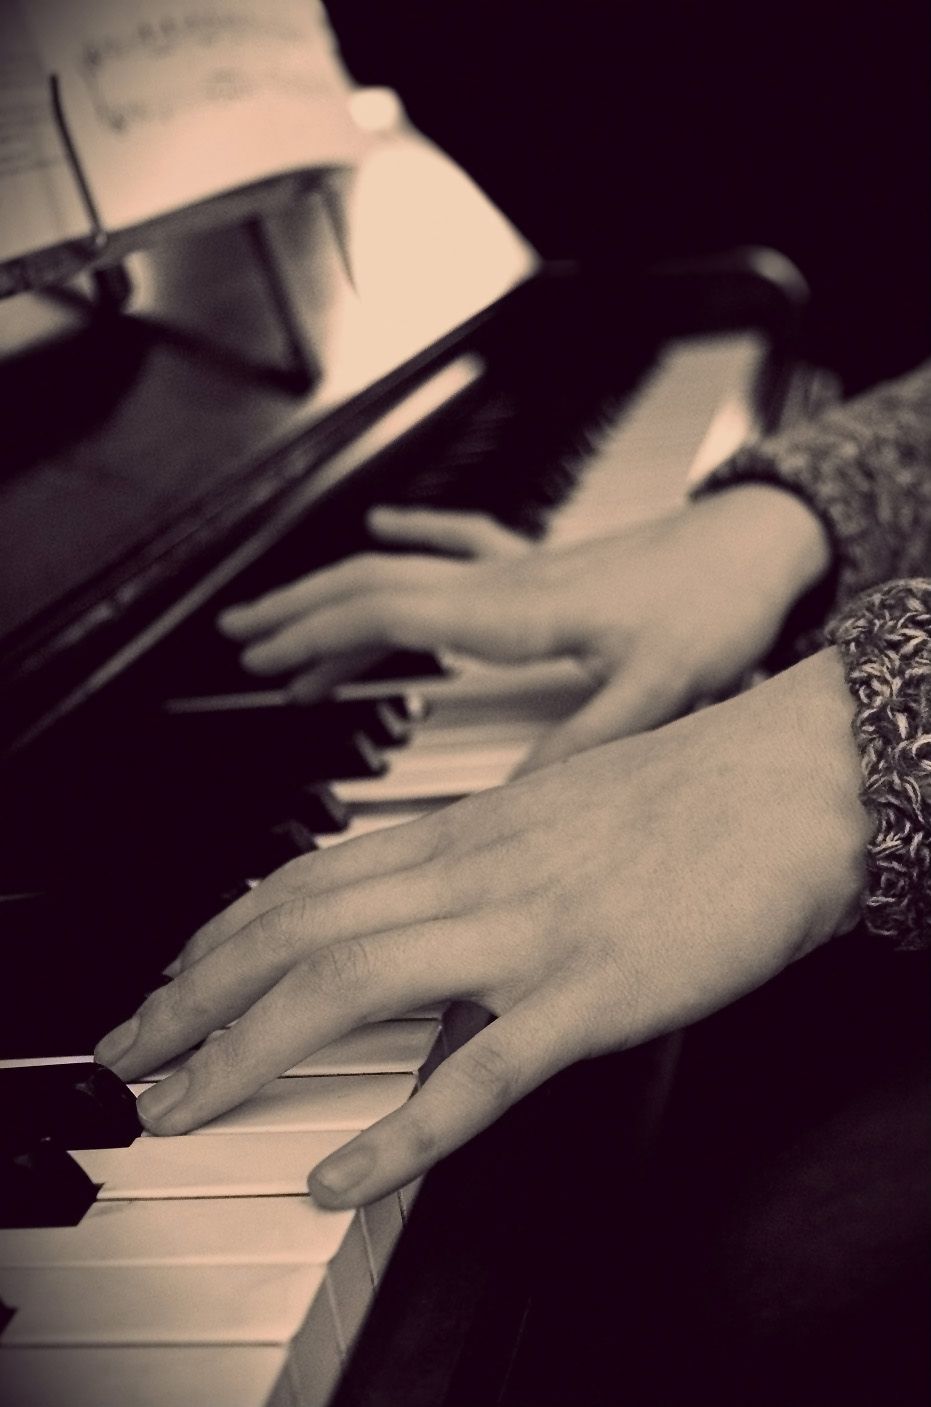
{"x":160,"y":463}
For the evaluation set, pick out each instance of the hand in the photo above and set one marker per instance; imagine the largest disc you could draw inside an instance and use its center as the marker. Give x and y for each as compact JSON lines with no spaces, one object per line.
{"x":590,"y":906}
{"x":662,"y":615}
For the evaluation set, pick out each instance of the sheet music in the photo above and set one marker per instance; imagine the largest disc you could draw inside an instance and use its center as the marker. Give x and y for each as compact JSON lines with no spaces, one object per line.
{"x":169,"y":104}
{"x":40,"y":204}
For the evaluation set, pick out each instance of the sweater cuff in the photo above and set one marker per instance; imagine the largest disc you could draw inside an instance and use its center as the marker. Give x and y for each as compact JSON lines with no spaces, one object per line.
{"x":884,"y":638}
{"x":862,"y":469}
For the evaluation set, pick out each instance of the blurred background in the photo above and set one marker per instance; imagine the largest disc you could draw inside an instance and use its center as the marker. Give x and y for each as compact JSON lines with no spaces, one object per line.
{"x":622,"y":134}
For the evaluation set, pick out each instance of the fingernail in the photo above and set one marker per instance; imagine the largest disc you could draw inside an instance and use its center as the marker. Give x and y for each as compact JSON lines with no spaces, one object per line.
{"x":345,"y":1171}
{"x":115,"y":1045}
{"x":155,"y":1103}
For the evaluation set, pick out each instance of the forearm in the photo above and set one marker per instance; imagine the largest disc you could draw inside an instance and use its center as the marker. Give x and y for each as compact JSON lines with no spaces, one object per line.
{"x":864,"y":470}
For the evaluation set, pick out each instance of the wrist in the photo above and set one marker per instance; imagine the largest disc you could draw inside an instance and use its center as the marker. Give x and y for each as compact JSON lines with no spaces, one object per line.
{"x":813,"y":713}
{"x":780,"y":544}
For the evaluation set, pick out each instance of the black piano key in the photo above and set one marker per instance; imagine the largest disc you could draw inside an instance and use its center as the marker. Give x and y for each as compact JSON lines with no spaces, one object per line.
{"x":237,"y":738}
{"x":410,"y":706}
{"x":43,"y":1186}
{"x":381,"y":720}
{"x":79,"y":1105}
{"x":356,"y":757}
{"x":319,"y":810}
{"x":275,"y":847}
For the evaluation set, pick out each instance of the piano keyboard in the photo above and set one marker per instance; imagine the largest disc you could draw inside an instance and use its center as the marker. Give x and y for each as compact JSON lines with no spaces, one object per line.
{"x":202,"y":1273}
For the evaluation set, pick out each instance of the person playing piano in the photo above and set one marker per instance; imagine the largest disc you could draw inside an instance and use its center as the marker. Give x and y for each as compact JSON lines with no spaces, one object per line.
{"x":647,"y":867}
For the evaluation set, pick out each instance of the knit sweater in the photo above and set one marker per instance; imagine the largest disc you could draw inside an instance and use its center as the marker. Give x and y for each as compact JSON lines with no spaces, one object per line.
{"x":865,"y":469}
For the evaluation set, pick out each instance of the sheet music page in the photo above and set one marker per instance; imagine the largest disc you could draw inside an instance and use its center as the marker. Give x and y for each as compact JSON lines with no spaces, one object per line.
{"x":40,"y":203}
{"x":171,"y":103}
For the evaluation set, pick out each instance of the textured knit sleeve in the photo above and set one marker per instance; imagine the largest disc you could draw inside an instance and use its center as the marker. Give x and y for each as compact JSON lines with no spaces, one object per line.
{"x":865,"y":469}
{"x":884,"y":638}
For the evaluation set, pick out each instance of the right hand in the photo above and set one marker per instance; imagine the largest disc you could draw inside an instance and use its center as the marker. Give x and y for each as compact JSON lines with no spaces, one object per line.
{"x":664,"y":614}
{"x":598,"y":903}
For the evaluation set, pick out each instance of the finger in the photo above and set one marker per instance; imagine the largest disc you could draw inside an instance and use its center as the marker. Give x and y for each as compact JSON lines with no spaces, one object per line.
{"x":639,"y":699}
{"x":397,"y":618}
{"x":460,"y":534}
{"x":467,"y":1093}
{"x":366,"y":572}
{"x":331,"y":991}
{"x":321,"y":679}
{"x":391,"y":851}
{"x":232,"y":976}
{"x":450,"y":608}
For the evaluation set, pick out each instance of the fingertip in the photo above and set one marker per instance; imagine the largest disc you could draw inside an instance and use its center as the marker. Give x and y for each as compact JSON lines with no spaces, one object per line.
{"x":117,"y":1044}
{"x":159,"y":1107}
{"x":383,"y":515}
{"x":234,"y":621}
{"x":326,"y":1197}
{"x":342,"y":1179}
{"x":256,"y":661}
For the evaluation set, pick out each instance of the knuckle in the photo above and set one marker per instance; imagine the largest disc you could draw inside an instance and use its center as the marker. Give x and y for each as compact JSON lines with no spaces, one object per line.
{"x":342,"y":969}
{"x":421,"y":1138}
{"x":483,"y":1066}
{"x":175,"y":1005}
{"x":280,"y":929}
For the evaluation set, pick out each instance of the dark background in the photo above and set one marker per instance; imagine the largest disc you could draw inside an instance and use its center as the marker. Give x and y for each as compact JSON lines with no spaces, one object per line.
{"x":620,"y":134}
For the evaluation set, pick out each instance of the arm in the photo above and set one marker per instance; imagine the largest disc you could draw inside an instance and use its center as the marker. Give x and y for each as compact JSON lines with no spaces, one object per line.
{"x":864,"y":470}
{"x":592,"y":905}
{"x":658,"y":617}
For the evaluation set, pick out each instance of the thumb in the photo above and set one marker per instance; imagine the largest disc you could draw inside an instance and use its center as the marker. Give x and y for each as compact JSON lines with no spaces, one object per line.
{"x":632,"y":701}
{"x":455,"y":534}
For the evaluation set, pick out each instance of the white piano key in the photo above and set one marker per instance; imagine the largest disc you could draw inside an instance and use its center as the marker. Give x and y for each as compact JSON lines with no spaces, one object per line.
{"x":384,"y":1047}
{"x":413,"y":761}
{"x":100,"y":1306}
{"x":298,"y":1104}
{"x":420,"y":783}
{"x":368,"y":824}
{"x":478,"y":734}
{"x":159,"y":1304}
{"x":382,"y":1223}
{"x":203,"y":1231}
{"x":145,"y":1377}
{"x":212,"y":1231}
{"x":225,"y":1165}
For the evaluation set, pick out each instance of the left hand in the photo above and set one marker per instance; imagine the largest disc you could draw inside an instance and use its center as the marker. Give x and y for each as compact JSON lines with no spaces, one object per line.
{"x":591,"y":905}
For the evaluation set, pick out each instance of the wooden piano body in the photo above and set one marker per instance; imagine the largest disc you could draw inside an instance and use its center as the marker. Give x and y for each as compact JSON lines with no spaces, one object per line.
{"x":158,"y":464}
